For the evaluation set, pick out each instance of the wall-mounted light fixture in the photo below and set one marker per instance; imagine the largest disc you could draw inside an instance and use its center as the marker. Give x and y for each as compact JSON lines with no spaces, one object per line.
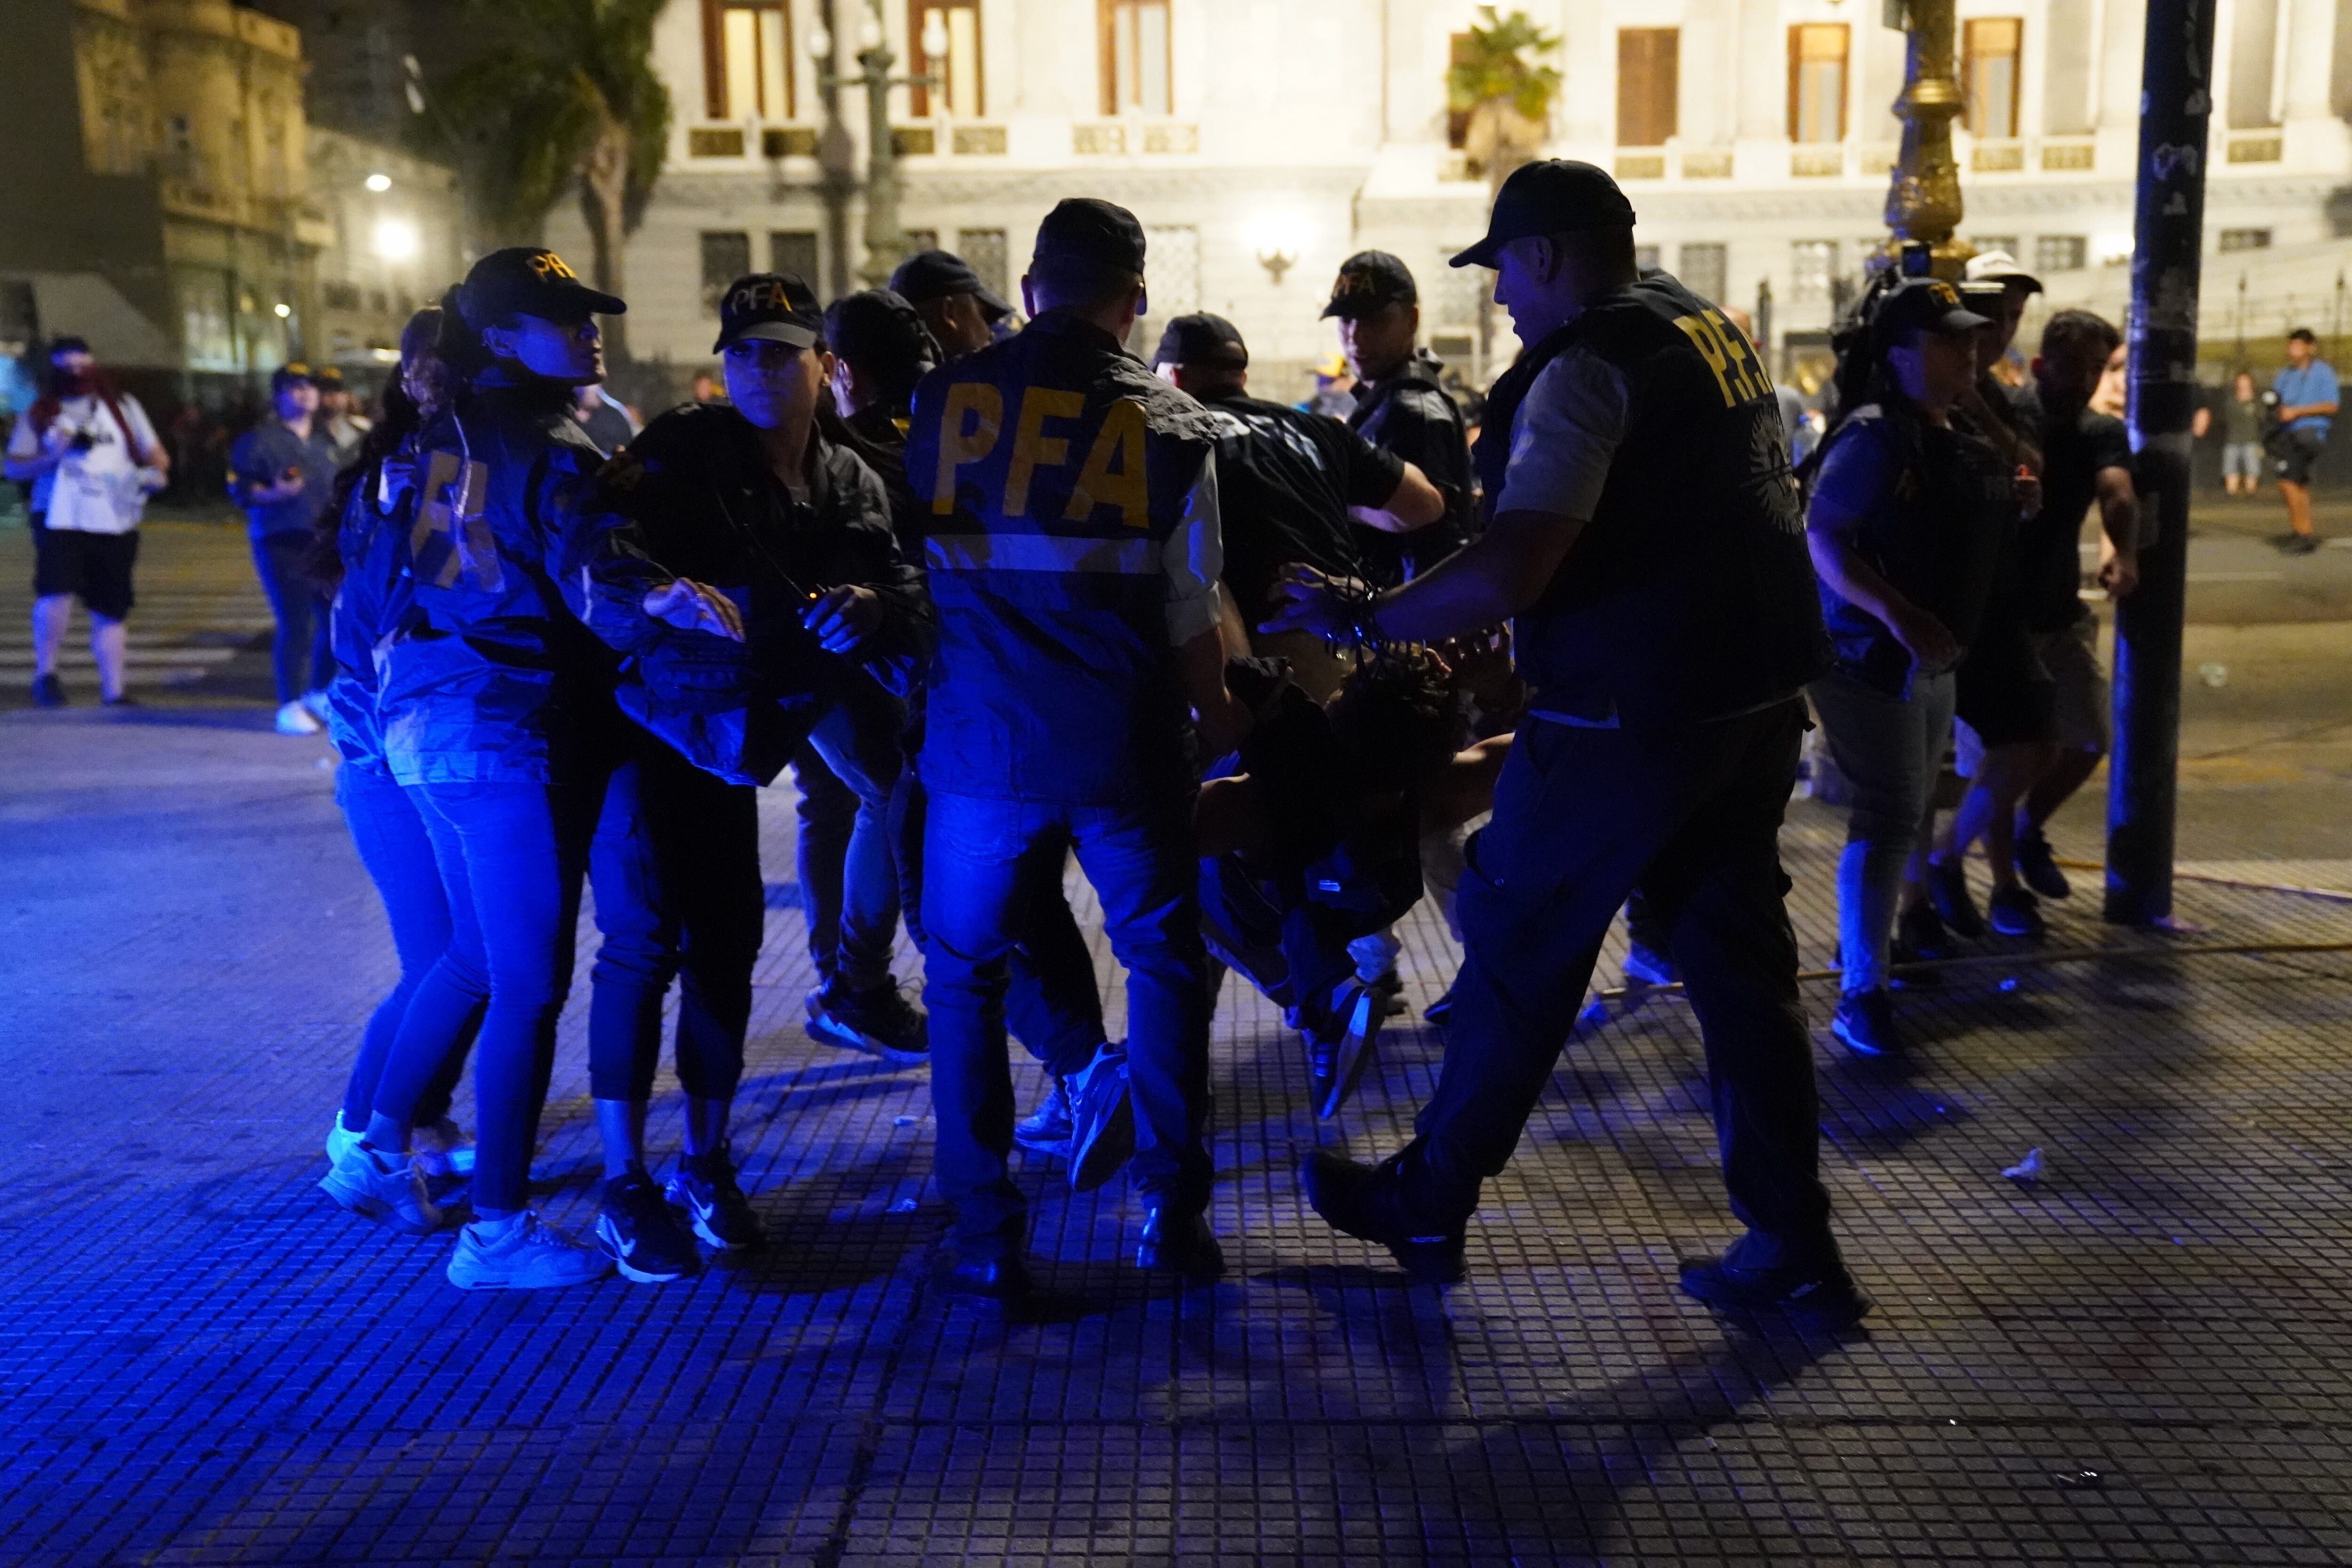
{"x":1277,"y":239}
{"x":379,"y":182}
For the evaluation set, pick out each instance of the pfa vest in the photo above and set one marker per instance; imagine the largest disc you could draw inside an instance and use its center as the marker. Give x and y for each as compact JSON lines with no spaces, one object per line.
{"x":1689,"y":594}
{"x":1052,"y":468}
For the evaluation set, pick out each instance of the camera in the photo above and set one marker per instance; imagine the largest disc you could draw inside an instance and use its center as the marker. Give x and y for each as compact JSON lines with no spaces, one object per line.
{"x":83,"y":440}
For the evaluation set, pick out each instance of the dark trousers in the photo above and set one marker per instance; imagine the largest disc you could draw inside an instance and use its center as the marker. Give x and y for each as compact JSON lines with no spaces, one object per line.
{"x":300,"y":654}
{"x":987,"y":863}
{"x":510,"y":856}
{"x":1052,"y":1005}
{"x":1583,"y":818}
{"x":389,"y":833}
{"x":847,"y":771}
{"x":675,"y":871}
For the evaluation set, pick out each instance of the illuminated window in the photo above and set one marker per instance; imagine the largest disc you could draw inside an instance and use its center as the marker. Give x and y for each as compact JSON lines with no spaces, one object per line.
{"x":958,"y":92}
{"x":1135,"y":63}
{"x":1989,"y":51}
{"x":1817,"y":79}
{"x":2060,"y":253}
{"x":1648,"y":101}
{"x":747,"y":53}
{"x":1812,"y":269}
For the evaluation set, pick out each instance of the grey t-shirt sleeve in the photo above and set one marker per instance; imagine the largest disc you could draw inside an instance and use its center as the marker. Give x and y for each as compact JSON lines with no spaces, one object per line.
{"x":1567,"y":433}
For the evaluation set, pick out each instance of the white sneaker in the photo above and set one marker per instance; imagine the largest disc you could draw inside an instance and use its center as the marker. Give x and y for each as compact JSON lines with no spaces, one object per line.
{"x":296,"y":720}
{"x":315,"y":702}
{"x":444,"y":1150}
{"x":340,"y":1138}
{"x":384,"y":1187}
{"x":524,"y":1253}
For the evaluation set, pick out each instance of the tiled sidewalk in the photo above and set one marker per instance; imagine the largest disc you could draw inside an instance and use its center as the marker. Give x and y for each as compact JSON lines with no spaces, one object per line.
{"x":203,"y":1361}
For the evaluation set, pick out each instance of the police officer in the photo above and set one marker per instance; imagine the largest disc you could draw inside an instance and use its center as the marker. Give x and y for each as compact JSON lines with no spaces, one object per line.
{"x":1290,"y":483}
{"x":1644,"y":530}
{"x":1401,"y":408}
{"x":962,"y":313}
{"x":1074,"y":554}
{"x":881,"y":350}
{"x":749,"y":497}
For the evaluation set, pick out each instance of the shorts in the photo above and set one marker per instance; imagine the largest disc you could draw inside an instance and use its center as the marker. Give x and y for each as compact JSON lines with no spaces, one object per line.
{"x":2072,"y":658}
{"x":2296,"y":451}
{"x":2241,"y":459}
{"x":2004,"y":697}
{"x":93,"y":567}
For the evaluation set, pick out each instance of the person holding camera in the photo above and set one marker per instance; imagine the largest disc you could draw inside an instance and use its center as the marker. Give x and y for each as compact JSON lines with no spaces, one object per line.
{"x":91,"y":459}
{"x":281,"y":472}
{"x":2306,"y":407}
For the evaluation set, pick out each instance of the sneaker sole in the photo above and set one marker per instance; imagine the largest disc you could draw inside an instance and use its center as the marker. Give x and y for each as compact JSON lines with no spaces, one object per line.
{"x":696,"y":1216}
{"x":1096,"y":1159}
{"x":1859,"y":1047}
{"x":493,"y":1282}
{"x":1843,"y":1313}
{"x":1355,"y":1042}
{"x":826,"y":1032}
{"x":368,"y":1206}
{"x":610,"y":1247}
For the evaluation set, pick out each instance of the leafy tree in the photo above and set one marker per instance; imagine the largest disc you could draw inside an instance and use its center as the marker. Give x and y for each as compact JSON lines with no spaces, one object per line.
{"x":1498,"y":81}
{"x":564,"y":98}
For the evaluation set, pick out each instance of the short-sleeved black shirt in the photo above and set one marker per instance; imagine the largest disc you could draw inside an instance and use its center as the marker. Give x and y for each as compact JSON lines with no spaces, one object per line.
{"x":1285,"y":480}
{"x":2074,"y":447}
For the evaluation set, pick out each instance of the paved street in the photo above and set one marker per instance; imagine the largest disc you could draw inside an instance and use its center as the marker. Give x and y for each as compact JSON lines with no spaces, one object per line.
{"x":2141,"y":1358}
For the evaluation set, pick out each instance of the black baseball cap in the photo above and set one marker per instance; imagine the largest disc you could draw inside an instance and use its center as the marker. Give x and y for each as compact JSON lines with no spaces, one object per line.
{"x":1369,"y":280}
{"x":328,"y":379}
{"x":528,"y":280}
{"x":68,"y":345}
{"x":293,"y":373}
{"x":1922,"y":305}
{"x":1201,"y":338}
{"x":769,"y":307}
{"x":1555,"y":196}
{"x":1087,"y":228}
{"x":876,"y":326}
{"x":935,"y":274}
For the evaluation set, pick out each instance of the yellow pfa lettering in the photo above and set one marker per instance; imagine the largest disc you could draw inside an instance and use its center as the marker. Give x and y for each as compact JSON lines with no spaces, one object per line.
{"x":450,"y":505}
{"x":973,"y":418}
{"x":1743,"y":358}
{"x":1120,"y":442}
{"x":1710,"y":349}
{"x":547,"y":263}
{"x":1031,"y":447}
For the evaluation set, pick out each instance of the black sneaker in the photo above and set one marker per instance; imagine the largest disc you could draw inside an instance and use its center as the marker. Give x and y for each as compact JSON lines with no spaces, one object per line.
{"x":1439,"y":1012}
{"x":1389,"y":990}
{"x":2014,"y":913}
{"x":1339,"y":1041}
{"x":2040,"y":867}
{"x":995,"y":1281}
{"x":120,"y":699}
{"x":1948,"y":890}
{"x":1102,"y":1120}
{"x":2298,"y":544}
{"x":1921,"y":937}
{"x":48,"y":691}
{"x":1647,"y":966}
{"x":704,"y":1185}
{"x":1866,"y":1022}
{"x":1180,"y":1242}
{"x":1822,"y":1297}
{"x":640,"y":1233}
{"x":1046,"y":1129}
{"x":1362,"y":1202}
{"x":880,"y":1022}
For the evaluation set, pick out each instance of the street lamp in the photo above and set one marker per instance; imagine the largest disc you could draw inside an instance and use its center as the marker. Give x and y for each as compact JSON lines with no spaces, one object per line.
{"x":886,"y":239}
{"x":1923,"y":197}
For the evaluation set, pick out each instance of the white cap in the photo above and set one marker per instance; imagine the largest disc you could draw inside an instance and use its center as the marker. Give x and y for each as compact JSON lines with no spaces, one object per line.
{"x":2000,"y":266}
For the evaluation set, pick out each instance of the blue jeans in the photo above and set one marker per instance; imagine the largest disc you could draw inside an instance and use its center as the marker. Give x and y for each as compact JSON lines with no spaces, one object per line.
{"x":1890,"y":749}
{"x":389,"y":833}
{"x":987,"y":864}
{"x":300,"y":653}
{"x":847,"y":772}
{"x":510,"y":858}
{"x":674,"y":868}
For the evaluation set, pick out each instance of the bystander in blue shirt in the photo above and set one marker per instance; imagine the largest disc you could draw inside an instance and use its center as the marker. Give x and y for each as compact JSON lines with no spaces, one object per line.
{"x":2299,"y":386}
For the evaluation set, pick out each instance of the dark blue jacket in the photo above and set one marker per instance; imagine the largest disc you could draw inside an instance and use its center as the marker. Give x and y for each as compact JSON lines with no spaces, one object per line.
{"x":261,"y":457}
{"x":1054,"y":469}
{"x":372,"y":539}
{"x":489,"y":675}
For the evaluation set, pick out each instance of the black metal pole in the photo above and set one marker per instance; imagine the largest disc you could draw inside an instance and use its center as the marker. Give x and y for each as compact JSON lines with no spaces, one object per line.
{"x":2143,"y":780}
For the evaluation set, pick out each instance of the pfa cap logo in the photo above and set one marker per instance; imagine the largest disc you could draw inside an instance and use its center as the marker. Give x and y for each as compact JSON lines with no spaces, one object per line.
{"x":546,"y":264}
{"x":768,"y":294}
{"x":1943,"y":293}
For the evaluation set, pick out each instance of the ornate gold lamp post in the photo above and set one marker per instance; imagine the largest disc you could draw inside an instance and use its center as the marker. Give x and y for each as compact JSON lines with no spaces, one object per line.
{"x":1923,"y":200}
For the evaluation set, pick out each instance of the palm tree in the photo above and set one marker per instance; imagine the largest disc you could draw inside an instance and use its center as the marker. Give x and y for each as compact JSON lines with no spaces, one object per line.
{"x":566,"y":93}
{"x":1497,"y":81}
